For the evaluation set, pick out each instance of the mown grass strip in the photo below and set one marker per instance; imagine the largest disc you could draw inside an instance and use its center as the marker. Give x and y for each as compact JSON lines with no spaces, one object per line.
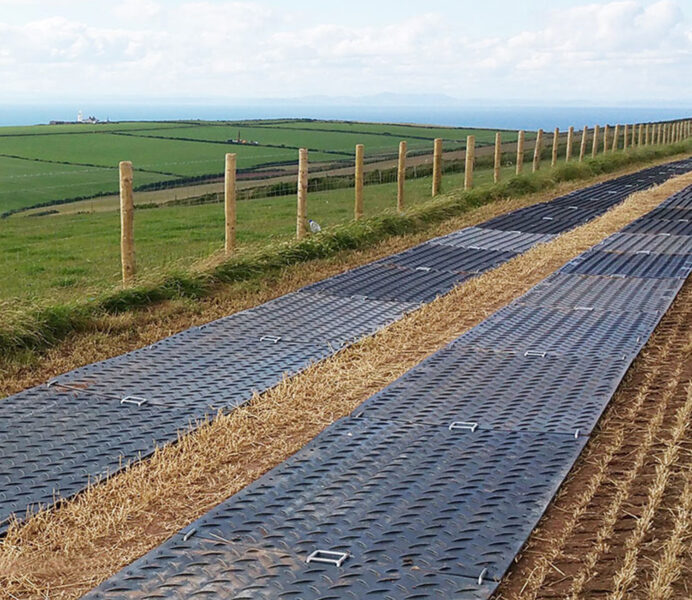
{"x":37,"y":329}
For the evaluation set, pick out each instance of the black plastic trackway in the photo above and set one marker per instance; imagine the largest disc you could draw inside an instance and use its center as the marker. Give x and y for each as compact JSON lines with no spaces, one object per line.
{"x":432,"y":486}
{"x":91,"y":421}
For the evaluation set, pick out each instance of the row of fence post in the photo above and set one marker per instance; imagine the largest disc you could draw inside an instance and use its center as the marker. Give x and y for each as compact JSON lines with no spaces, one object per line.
{"x":631,"y":136}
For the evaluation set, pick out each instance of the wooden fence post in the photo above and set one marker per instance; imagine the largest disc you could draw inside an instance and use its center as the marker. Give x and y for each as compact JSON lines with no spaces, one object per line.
{"x":633,"y":139}
{"x":582,"y":146}
{"x":657,"y":134}
{"x":497,"y":166}
{"x":594,"y":146}
{"x":360,"y":158}
{"x":640,"y":139}
{"x":647,"y":135}
{"x":302,"y":212}
{"x":520,"y":152}
{"x":625,"y":135}
{"x":127,"y":212}
{"x":570,"y":144}
{"x":401,"y":177}
{"x":616,"y":137}
{"x":437,"y":167}
{"x":556,"y":140}
{"x":537,"y":149}
{"x":229,"y":202}
{"x":470,"y":158}
{"x":605,"y":138}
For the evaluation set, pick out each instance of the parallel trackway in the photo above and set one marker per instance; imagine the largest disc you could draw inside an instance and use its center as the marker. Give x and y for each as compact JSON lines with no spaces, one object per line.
{"x":92,"y":420}
{"x":433,"y":485}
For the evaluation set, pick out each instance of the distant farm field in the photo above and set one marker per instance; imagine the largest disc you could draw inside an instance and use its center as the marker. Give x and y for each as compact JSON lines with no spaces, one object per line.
{"x":51,"y":164}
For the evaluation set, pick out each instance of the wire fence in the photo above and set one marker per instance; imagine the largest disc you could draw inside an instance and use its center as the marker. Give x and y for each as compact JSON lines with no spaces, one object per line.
{"x":266,"y":189}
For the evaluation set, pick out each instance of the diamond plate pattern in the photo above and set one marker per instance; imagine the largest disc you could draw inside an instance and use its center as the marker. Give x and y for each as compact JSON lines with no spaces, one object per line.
{"x":682,"y":199}
{"x":391,"y":283}
{"x":630,"y":294}
{"x":659,"y":226}
{"x":529,"y":224}
{"x":596,"y":262}
{"x":647,"y":243}
{"x":671,"y":213}
{"x":454,"y":259}
{"x":302,"y":317}
{"x":410,"y":497}
{"x":74,"y":437}
{"x":501,"y":390}
{"x":493,"y":239}
{"x":421,"y":509}
{"x":245,"y":573}
{"x":217,"y":368}
{"x":521,"y":329}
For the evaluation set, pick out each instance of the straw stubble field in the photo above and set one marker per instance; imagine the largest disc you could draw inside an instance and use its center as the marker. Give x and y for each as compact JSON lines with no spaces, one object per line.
{"x":634,"y":479}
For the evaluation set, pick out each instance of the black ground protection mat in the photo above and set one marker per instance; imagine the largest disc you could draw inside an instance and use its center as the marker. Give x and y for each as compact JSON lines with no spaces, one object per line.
{"x":596,"y":262}
{"x":406,"y":499}
{"x":626,"y":294}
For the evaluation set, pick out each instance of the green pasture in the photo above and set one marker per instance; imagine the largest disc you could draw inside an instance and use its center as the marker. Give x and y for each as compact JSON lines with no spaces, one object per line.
{"x":404,"y":132}
{"x":52,"y":164}
{"x":64,"y":257}
{"x":28,"y":182}
{"x":336,"y":141}
{"x":165,"y":156}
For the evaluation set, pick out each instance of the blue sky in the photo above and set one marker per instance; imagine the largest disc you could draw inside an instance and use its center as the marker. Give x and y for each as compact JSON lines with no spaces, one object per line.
{"x":623,"y":51}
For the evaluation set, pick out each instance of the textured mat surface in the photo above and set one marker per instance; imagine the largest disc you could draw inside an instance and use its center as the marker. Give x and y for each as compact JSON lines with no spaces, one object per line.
{"x":431,"y":487}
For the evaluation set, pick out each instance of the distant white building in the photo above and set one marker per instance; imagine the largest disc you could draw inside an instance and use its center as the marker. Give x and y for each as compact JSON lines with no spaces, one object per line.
{"x":80,"y":117}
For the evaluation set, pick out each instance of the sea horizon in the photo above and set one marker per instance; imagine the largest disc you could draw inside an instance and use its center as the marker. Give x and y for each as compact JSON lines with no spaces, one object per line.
{"x":500,"y":117}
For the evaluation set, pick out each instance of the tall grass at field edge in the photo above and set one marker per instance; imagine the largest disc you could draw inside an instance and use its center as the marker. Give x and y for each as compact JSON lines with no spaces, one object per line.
{"x":31,"y":330}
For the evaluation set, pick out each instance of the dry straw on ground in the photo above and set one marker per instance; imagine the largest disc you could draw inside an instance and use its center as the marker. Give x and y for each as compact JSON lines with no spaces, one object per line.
{"x":64,"y":552}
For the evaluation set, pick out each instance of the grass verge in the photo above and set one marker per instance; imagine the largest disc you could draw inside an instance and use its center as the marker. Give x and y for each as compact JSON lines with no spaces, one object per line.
{"x":66,"y":551}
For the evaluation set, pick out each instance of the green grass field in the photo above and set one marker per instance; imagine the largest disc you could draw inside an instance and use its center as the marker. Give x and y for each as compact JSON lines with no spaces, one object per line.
{"x":23,"y":181}
{"x":298,"y":138}
{"x":65,"y":257}
{"x":46,"y":164}
{"x":429,"y":132}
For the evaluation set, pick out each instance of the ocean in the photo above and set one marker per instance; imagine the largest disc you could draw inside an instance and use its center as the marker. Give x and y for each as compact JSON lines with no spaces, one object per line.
{"x":501,"y":117}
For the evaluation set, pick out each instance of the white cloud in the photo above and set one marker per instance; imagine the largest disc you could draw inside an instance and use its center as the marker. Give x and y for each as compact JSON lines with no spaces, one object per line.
{"x":620,"y":49}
